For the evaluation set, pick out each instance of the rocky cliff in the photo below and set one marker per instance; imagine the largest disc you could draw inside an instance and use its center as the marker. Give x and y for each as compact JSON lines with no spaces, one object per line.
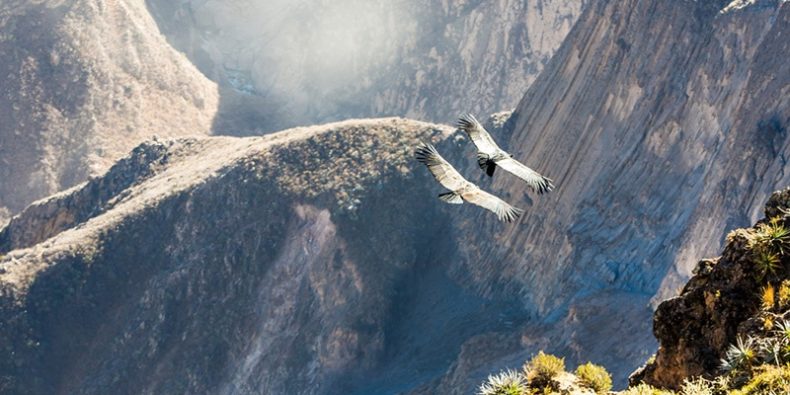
{"x":664,"y":125}
{"x":83,"y":82}
{"x":730,"y":318}
{"x":312,"y":61}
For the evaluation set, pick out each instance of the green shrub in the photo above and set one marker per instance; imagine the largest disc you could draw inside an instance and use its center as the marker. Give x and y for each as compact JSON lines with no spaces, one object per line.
{"x":773,"y":236}
{"x":542,"y":368}
{"x":505,"y":383}
{"x":699,"y":386}
{"x":767,"y":263}
{"x":644,"y":389}
{"x":594,"y":377}
{"x":768,"y":380}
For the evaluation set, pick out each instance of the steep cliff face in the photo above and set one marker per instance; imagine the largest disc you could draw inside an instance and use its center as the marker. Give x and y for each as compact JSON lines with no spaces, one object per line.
{"x":84,"y":82}
{"x":664,"y":125}
{"x":316,"y":60}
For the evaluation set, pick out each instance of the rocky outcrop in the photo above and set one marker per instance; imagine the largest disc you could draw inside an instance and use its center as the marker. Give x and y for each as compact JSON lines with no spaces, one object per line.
{"x":722,"y":302}
{"x":83,"y":82}
{"x":317,"y":61}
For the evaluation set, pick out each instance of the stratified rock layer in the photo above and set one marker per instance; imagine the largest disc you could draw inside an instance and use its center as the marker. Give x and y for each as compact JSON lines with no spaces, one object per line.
{"x":82,"y":83}
{"x":664,"y":126}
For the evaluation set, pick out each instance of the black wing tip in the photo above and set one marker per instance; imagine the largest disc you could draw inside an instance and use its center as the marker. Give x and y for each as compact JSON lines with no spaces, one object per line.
{"x":466,"y":121}
{"x":490,"y":168}
{"x":546,"y":185}
{"x":511,"y":214}
{"x":424,"y":152}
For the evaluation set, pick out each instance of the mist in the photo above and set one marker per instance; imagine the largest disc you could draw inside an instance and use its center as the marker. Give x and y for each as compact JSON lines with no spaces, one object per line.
{"x":284,"y":63}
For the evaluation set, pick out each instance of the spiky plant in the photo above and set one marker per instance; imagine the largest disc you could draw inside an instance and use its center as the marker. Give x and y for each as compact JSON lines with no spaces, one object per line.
{"x":771,"y":351}
{"x":768,"y":297}
{"x":774,"y":235}
{"x":782,"y":331}
{"x":740,"y":355}
{"x":594,"y":377}
{"x":783,"y":294}
{"x":508,"y":382}
{"x":542,"y":368}
{"x":767,"y":263}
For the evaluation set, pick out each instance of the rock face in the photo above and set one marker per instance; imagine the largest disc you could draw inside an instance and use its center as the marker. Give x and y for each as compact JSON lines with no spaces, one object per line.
{"x":664,"y":125}
{"x":317,"y":60}
{"x":83,"y":82}
{"x":719,"y":304}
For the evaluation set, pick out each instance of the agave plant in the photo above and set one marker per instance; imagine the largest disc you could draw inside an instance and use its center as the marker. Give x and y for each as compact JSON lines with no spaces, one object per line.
{"x":774,"y":235}
{"x":782,"y":331}
{"x":741,"y":354}
{"x":508,"y":382}
{"x":767,"y":263}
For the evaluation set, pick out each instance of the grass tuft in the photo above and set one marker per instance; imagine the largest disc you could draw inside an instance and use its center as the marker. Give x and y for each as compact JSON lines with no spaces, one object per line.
{"x":770,"y":379}
{"x":645,"y":389}
{"x":783,"y":294}
{"x":594,"y":377}
{"x":542,"y":368}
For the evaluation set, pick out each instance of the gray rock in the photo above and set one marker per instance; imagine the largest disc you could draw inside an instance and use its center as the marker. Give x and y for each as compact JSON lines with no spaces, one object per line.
{"x":83,"y":83}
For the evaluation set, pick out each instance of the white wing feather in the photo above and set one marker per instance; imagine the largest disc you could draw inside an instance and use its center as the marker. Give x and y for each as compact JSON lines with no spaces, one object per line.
{"x":479,"y":136}
{"x":533,"y":179}
{"x":503,"y":211}
{"x":446,"y":174}
{"x":443,"y":171}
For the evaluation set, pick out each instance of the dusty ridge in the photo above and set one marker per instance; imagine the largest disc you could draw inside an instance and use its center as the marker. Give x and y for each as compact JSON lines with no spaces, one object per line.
{"x":83,"y":83}
{"x":338,"y":158}
{"x":204,"y":265}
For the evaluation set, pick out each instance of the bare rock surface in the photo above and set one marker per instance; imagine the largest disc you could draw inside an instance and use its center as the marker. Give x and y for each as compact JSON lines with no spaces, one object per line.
{"x":83,"y":82}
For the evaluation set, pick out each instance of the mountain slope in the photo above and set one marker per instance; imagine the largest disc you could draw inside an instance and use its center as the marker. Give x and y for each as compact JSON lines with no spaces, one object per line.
{"x":84,"y":82}
{"x":292,"y":263}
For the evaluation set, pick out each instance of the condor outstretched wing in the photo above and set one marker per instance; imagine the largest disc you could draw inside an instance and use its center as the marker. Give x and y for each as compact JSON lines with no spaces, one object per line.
{"x":479,"y":136}
{"x":443,"y":171}
{"x":537,"y":182}
{"x":503,"y":211}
